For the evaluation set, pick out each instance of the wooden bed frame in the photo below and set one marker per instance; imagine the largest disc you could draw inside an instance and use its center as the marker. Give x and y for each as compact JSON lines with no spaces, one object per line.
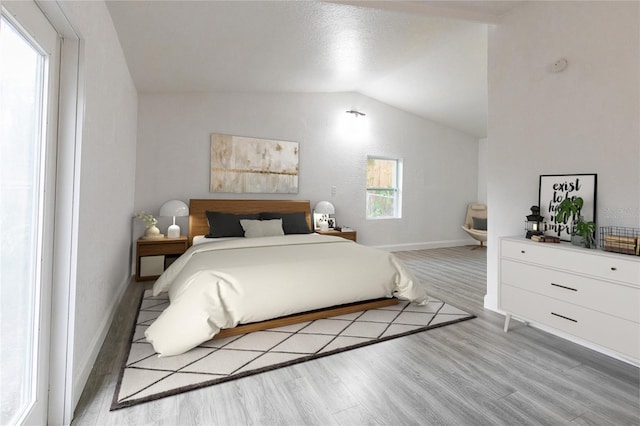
{"x":198,"y":225}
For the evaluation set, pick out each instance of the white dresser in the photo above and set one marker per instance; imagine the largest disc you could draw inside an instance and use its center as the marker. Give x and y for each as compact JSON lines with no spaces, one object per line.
{"x":592,"y":295}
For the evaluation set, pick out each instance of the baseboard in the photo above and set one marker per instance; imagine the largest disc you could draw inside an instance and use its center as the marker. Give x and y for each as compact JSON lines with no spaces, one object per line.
{"x":81,"y":375}
{"x":491,"y":303}
{"x":427,"y":245}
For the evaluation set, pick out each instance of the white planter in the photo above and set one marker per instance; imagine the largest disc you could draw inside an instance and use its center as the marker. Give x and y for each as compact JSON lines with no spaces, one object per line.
{"x":152,"y":232}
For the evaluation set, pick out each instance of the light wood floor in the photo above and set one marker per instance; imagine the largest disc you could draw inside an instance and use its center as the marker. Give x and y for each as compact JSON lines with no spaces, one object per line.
{"x":465,"y":374}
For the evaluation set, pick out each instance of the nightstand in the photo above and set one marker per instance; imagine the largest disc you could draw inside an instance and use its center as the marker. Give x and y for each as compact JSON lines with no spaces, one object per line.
{"x":349,"y":235}
{"x":154,"y":256}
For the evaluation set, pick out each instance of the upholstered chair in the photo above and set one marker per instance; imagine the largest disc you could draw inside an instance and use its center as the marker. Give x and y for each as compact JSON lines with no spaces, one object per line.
{"x":475,"y":223}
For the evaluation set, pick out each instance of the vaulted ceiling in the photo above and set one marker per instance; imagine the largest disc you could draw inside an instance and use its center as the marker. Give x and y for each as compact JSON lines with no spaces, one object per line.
{"x":428,"y":58}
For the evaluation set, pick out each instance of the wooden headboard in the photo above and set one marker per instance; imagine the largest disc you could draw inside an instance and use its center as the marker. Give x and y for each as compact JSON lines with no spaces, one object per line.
{"x":198,"y":224}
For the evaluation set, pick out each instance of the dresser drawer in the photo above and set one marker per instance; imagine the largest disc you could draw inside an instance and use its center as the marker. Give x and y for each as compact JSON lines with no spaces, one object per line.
{"x":618,"y":334}
{"x":615,"y":299}
{"x":177,"y":247}
{"x":599,"y":264}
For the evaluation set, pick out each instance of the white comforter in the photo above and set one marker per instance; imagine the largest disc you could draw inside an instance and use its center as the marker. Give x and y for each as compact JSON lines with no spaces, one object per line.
{"x":220,"y":285}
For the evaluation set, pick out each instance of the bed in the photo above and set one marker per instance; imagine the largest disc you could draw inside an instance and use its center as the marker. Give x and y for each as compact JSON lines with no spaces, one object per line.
{"x":232,"y":285}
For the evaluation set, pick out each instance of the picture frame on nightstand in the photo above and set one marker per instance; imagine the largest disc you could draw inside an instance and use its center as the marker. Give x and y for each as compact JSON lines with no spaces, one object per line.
{"x":317,"y":219}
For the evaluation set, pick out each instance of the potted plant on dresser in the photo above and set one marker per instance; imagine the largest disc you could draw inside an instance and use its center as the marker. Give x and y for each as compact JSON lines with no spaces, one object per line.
{"x":582,"y":233}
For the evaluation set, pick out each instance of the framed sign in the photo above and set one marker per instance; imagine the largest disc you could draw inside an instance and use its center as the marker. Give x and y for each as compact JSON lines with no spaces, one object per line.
{"x":555,"y":188}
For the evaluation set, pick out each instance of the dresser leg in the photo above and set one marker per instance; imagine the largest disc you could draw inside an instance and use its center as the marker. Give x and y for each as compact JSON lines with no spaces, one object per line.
{"x":507,"y":319}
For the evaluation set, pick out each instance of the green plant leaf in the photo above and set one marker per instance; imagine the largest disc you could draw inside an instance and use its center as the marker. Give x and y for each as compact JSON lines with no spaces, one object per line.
{"x":568,"y":208}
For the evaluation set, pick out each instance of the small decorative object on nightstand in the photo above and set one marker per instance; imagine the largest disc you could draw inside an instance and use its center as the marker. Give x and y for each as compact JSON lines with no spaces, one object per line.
{"x":152,"y":232}
{"x":153,"y":256}
{"x":174,"y":208}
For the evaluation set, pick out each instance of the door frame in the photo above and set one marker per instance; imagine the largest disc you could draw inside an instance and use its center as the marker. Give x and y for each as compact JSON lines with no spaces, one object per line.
{"x":65,"y":244}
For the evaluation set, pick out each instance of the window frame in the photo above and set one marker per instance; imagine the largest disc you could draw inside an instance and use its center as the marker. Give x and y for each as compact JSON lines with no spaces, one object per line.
{"x":397,"y":189}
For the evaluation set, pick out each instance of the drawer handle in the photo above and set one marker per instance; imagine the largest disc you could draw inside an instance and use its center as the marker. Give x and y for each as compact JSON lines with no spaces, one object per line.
{"x":613,"y":268}
{"x":522,"y":251}
{"x":563,"y":317}
{"x":565,"y":287}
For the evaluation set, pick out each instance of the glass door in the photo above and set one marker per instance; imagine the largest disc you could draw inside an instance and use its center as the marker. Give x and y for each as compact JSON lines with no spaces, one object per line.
{"x":29,"y":49}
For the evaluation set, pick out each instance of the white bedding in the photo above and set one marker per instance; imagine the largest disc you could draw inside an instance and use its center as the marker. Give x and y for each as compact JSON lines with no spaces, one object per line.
{"x":201,"y":239}
{"x":220,"y":285}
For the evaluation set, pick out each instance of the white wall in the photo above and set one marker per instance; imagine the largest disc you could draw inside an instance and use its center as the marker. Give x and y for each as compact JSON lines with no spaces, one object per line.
{"x":106,"y":183}
{"x":440,"y":164}
{"x":582,"y":120}
{"x":483,"y":169}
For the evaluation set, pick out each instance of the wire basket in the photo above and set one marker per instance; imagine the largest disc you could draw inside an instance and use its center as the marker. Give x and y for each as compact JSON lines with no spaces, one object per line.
{"x":620,"y":240}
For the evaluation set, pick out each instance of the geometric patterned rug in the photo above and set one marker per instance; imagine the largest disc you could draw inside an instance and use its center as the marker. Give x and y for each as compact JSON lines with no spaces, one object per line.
{"x":145,"y":377}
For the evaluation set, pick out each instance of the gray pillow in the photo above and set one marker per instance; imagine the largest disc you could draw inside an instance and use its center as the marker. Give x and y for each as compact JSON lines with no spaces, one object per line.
{"x":292,"y":223}
{"x":479,"y":223}
{"x":261,"y":228}
{"x":226,"y":224}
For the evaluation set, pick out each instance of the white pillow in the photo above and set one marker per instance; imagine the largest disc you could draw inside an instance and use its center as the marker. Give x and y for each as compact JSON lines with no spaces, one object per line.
{"x":261,"y":228}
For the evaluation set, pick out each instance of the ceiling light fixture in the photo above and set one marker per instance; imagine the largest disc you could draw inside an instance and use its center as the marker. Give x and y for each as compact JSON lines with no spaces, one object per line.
{"x":356,"y":113}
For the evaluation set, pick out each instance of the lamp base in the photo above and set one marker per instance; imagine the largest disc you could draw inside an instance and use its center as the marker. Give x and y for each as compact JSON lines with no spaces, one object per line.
{"x":173,"y":231}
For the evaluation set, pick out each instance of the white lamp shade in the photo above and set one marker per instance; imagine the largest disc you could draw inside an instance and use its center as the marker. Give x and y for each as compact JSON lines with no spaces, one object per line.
{"x":174,"y":208}
{"x":324,"y":207}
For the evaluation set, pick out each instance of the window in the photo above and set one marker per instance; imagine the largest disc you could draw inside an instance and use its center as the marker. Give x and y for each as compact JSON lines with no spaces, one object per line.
{"x":383,"y":188}
{"x":28,"y":124}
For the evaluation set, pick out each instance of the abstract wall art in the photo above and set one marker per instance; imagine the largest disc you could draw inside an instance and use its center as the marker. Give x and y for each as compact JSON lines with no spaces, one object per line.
{"x":250,"y":165}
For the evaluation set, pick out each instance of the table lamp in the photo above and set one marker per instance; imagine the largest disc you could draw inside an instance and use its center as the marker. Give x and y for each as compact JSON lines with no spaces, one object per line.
{"x":174,"y":208}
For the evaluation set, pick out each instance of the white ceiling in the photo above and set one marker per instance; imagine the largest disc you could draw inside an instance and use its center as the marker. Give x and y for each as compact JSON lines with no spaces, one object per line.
{"x":425,"y":57}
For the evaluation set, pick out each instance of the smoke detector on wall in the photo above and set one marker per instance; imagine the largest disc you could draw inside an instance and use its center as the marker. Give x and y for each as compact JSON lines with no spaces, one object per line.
{"x":559,"y":65}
